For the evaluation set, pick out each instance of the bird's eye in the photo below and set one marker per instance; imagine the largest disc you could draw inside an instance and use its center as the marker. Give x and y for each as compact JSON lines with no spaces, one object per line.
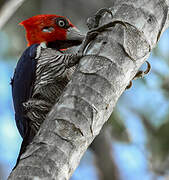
{"x":61,"y":23}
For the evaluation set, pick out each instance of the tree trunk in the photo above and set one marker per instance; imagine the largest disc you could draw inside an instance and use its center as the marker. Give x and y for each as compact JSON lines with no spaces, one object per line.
{"x":111,"y":61}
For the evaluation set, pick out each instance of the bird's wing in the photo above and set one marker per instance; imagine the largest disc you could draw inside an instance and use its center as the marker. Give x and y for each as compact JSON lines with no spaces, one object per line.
{"x":22,"y":84}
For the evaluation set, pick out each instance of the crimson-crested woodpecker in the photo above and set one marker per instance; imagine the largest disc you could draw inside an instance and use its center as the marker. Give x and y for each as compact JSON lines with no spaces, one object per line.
{"x":42,"y":73}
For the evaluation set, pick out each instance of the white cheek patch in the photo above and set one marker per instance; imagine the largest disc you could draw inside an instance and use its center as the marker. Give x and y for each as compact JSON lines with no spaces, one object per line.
{"x":48,"y":29}
{"x":41,"y":46}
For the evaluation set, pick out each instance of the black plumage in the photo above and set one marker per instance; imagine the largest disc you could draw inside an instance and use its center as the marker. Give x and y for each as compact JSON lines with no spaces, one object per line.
{"x":22,"y":86}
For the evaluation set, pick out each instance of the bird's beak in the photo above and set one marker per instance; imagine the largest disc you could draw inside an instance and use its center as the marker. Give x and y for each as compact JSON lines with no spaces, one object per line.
{"x":73,"y":34}
{"x":73,"y":38}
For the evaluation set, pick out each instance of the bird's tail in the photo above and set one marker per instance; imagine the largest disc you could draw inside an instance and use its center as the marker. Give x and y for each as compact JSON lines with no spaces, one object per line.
{"x":26,"y":141}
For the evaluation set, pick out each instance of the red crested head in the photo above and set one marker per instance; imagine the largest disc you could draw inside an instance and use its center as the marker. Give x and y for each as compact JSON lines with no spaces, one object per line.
{"x":50,"y":28}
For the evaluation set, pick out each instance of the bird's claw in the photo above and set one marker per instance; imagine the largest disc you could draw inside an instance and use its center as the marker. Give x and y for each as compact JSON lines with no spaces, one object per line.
{"x":93,"y":22}
{"x":89,"y":37}
{"x":27,"y":105}
{"x":140,"y":74}
{"x":129,"y":85}
{"x":95,"y":29}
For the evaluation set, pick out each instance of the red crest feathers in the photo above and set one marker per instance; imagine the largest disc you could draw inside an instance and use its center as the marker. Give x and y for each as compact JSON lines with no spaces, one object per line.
{"x":43,"y":28}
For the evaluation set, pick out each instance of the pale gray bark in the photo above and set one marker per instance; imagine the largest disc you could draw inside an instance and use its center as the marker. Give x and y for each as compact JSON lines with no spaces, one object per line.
{"x":111,"y":61}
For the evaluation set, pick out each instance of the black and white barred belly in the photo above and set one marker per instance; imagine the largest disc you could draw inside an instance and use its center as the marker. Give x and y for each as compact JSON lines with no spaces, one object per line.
{"x":53,"y":72}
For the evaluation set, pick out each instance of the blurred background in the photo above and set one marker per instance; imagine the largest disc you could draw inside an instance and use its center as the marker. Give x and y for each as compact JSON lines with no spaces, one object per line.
{"x":134,"y":143}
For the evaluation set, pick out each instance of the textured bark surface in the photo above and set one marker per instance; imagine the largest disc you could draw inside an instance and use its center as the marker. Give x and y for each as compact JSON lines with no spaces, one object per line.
{"x":111,"y":61}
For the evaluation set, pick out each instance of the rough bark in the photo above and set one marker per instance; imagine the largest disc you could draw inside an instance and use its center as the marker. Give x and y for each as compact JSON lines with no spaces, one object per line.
{"x":111,"y":61}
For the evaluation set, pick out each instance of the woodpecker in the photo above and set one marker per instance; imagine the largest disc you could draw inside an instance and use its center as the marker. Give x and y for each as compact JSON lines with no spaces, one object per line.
{"x":42,"y":72}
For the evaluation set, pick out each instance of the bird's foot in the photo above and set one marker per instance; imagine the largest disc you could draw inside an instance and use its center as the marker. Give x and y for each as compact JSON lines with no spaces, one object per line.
{"x":41,"y":46}
{"x":93,"y":22}
{"x":95,"y":29}
{"x":140,"y":74}
{"x":27,"y":105}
